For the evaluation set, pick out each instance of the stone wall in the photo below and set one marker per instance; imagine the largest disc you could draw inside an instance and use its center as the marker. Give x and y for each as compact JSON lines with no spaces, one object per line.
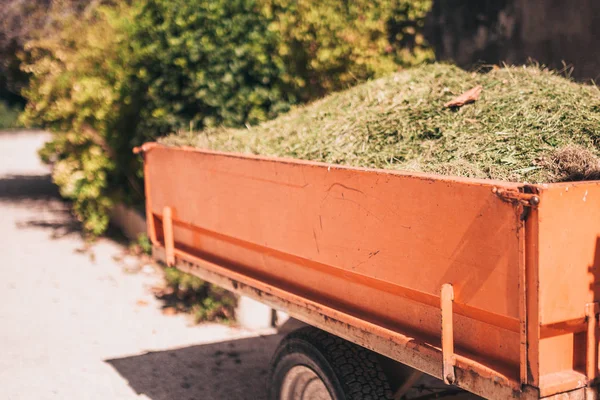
{"x":552,"y":32}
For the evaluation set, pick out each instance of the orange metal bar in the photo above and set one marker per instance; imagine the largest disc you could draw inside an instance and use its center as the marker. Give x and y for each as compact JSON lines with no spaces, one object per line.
{"x":523,"y":308}
{"x":591,"y":362}
{"x":447,"y":297}
{"x":168,"y":235}
{"x":532,"y":298}
{"x":149,"y":219}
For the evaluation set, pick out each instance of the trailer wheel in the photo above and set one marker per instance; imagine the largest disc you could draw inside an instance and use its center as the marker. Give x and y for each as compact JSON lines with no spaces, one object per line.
{"x":311,"y":364}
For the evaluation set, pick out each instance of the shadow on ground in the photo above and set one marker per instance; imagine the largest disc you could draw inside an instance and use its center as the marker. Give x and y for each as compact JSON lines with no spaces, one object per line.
{"x":62,"y":224}
{"x":27,"y":187}
{"x":37,"y":192}
{"x":236,"y":369}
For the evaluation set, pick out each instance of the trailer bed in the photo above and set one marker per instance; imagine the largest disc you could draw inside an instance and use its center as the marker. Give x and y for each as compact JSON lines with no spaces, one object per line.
{"x":364,"y":254}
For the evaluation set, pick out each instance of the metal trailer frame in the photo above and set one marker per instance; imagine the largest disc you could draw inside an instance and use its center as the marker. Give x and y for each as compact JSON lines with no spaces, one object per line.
{"x":502,"y":277}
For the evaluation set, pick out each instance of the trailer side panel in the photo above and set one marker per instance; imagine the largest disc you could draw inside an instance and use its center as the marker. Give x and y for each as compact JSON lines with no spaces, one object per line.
{"x":375,"y":244}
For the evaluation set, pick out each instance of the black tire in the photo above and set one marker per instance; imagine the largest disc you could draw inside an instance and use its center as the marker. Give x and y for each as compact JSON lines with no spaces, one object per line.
{"x":348,"y":371}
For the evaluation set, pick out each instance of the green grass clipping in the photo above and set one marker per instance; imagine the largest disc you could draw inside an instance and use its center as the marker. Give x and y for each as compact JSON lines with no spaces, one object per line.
{"x":529,"y":124}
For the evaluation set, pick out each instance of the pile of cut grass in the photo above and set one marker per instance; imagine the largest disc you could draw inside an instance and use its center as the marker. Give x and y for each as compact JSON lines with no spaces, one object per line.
{"x":529,"y":124}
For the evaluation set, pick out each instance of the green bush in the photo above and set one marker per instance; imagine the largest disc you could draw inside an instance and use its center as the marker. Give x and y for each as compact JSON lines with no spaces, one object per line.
{"x":328,"y":45}
{"x":240,"y":62}
{"x":206,"y":63}
{"x":9,"y":116}
{"x":117,"y":75}
{"x":80,"y":90}
{"x":191,"y":294}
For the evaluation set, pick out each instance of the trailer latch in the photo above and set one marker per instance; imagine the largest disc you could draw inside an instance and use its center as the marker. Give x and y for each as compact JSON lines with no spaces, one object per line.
{"x":512,"y":195}
{"x":448,"y":360}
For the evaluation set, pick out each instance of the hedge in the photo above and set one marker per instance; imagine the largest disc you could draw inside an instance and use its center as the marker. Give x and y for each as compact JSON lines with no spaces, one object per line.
{"x":125,"y":73}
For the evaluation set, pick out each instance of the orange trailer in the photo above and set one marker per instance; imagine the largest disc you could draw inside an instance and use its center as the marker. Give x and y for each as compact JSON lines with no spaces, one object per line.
{"x":490,"y":286}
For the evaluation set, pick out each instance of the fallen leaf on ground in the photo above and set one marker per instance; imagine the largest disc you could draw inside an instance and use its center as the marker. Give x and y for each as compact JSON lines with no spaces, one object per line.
{"x":161,"y":291}
{"x":169,"y":311}
{"x":141,"y":302}
{"x":470,"y":96}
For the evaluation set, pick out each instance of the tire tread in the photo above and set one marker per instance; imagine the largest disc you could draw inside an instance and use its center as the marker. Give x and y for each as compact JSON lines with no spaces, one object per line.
{"x":357,"y":368}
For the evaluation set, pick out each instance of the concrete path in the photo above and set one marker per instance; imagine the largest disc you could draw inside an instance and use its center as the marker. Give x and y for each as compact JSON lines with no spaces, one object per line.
{"x":74,"y":325}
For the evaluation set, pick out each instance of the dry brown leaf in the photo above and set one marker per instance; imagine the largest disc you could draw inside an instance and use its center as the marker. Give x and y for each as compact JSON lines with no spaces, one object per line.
{"x":470,"y":96}
{"x":169,"y":311}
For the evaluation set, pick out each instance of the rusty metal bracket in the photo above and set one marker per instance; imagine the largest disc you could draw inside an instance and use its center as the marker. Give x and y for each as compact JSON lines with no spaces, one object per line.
{"x":448,"y":360}
{"x":591,"y":359}
{"x":168,"y":235}
{"x":513,"y":195}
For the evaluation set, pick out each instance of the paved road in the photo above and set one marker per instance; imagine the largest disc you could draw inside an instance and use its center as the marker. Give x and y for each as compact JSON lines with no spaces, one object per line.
{"x":73,"y":325}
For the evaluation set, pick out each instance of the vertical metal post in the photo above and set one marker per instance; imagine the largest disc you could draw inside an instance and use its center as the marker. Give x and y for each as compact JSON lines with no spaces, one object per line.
{"x":168,"y":234}
{"x":447,"y":298}
{"x":591,"y":359}
{"x":523,"y":303}
{"x":143,"y":150}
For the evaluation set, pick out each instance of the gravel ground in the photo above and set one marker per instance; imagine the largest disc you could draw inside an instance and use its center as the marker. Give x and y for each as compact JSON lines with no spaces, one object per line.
{"x":74,"y":325}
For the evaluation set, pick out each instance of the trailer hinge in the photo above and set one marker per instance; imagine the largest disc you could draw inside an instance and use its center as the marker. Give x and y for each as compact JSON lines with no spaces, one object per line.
{"x":448,"y":359}
{"x":513,"y":195}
